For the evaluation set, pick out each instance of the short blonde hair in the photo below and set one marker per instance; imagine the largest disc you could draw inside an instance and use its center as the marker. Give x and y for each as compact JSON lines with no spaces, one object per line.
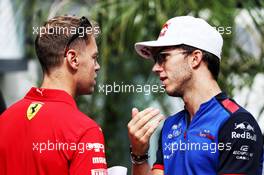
{"x":56,"y":35}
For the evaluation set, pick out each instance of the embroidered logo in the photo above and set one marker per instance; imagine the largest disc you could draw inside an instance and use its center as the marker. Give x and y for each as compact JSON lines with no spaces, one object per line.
{"x":33,"y":109}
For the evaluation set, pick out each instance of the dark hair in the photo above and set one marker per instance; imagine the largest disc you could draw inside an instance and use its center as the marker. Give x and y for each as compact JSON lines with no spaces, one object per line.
{"x":212,"y":61}
{"x":53,"y":39}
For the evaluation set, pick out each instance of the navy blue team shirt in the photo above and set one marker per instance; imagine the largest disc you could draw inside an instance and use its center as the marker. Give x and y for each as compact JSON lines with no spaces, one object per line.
{"x":222,"y":138}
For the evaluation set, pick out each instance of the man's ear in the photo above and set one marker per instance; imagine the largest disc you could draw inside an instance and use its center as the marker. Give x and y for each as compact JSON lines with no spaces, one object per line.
{"x":72,"y":59}
{"x":196,"y":58}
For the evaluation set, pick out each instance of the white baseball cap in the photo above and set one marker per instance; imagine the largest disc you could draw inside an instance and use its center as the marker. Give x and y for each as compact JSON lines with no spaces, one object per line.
{"x":186,"y":30}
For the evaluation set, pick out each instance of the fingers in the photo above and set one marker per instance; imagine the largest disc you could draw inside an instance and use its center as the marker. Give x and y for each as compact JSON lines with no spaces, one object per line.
{"x":147,"y":130}
{"x":134,"y":112}
{"x":150,"y":131}
{"x":157,"y":118}
{"x":142,"y":121}
{"x":138,"y":115}
{"x":139,"y":139}
{"x":147,"y":118}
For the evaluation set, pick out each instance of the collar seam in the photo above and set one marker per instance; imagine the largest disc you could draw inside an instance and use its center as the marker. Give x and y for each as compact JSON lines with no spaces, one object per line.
{"x":47,"y":100}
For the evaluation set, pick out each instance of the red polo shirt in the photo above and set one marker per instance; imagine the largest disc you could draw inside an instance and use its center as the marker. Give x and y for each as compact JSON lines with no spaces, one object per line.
{"x":46,"y":134}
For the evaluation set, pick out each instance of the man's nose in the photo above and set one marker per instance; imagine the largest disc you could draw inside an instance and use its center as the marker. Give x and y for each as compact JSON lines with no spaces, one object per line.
{"x":157,"y":68}
{"x":97,"y":66}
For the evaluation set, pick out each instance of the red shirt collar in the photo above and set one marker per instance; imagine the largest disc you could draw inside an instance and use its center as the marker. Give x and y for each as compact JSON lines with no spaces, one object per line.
{"x":41,"y":94}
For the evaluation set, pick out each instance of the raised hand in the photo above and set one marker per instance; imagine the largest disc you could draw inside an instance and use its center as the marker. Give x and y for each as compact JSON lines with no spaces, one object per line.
{"x":141,"y":127}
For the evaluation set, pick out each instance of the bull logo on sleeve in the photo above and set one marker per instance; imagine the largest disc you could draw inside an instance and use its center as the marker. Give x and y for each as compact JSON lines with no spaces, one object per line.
{"x":244,"y":131}
{"x":244,"y":126}
{"x":33,"y":109}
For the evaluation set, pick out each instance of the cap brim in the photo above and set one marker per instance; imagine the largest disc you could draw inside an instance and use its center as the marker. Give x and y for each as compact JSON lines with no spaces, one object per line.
{"x":145,"y":49}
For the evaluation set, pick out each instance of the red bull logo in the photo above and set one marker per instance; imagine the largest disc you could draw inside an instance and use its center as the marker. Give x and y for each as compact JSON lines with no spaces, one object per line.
{"x":244,"y":135}
{"x":244,"y":126}
{"x":247,"y":134}
{"x":164,"y":29}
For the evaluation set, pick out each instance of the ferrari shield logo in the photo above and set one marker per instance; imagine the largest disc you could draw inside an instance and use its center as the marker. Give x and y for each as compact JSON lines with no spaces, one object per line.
{"x":33,"y":109}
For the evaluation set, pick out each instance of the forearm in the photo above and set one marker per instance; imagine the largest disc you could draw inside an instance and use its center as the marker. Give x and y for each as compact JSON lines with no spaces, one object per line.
{"x":143,"y":169}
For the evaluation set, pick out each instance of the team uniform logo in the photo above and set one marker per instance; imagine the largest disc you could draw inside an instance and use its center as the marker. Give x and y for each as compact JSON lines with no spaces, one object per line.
{"x":244,"y":126}
{"x":164,"y":29}
{"x":176,"y":131}
{"x":33,"y":109}
{"x":206,"y":134}
{"x":99,"y":172}
{"x":99,"y":160}
{"x":244,"y":153}
{"x":244,"y":131}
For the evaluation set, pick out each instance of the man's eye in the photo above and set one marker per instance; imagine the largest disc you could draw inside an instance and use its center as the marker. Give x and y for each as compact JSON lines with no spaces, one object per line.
{"x":95,"y":56}
{"x":160,"y":58}
{"x":163,"y":56}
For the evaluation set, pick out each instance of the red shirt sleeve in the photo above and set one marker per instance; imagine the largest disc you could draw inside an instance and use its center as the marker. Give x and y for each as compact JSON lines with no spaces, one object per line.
{"x":89,"y":157}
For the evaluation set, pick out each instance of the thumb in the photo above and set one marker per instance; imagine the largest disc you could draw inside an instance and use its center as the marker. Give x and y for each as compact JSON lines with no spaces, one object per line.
{"x":134,"y":112}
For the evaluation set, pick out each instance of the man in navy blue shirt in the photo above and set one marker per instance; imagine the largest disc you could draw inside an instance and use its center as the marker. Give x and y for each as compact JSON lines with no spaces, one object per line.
{"x":212,"y":134}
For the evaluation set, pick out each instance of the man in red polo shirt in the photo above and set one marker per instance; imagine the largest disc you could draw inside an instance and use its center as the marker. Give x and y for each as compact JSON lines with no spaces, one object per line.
{"x":45,"y":133}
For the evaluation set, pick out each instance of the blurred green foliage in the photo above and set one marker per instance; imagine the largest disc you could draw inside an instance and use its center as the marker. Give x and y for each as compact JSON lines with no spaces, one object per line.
{"x":124,"y":22}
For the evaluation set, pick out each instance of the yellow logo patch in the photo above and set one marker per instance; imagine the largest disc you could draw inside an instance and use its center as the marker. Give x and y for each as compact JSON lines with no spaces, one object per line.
{"x":33,"y":109}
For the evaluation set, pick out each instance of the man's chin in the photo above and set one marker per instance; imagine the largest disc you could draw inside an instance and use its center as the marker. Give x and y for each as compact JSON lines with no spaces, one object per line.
{"x":173,"y":93}
{"x":90,"y":91}
{"x":86,"y":91}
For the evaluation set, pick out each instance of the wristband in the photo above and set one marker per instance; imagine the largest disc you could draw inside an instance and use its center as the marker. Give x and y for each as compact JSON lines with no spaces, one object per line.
{"x":138,"y":159}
